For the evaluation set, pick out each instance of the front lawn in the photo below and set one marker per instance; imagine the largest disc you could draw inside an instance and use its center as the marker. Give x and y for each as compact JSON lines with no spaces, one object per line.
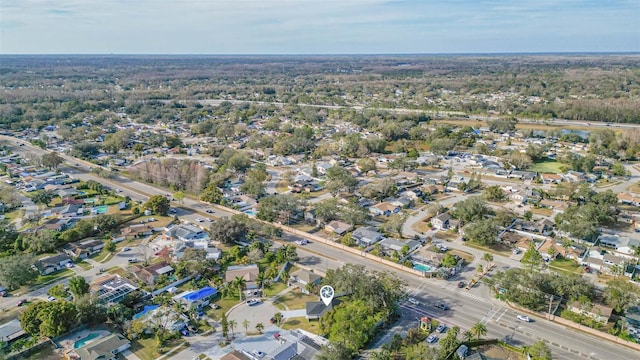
{"x":566,"y":265}
{"x":294,"y":300}
{"x":550,"y":167}
{"x":84,"y":265}
{"x":43,"y":279}
{"x":224,"y":304}
{"x":274,"y":289}
{"x":302,"y":323}
{"x":147,"y":349}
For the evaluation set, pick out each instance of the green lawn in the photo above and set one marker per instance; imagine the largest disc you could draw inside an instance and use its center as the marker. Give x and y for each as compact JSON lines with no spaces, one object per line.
{"x":566,"y":265}
{"x":302,"y":323}
{"x":552,"y":167}
{"x":43,"y":279}
{"x":84,"y":265}
{"x":295,"y":300}
{"x":225,"y":305}
{"x":147,"y":349}
{"x":274,"y":289}
{"x":103,"y":256}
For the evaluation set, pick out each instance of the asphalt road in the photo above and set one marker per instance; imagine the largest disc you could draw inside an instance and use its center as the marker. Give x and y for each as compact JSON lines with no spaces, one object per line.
{"x":467,"y":307}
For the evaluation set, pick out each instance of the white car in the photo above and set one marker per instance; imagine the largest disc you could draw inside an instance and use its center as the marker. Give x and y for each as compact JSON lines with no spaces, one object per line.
{"x":414,"y":301}
{"x":523,"y":318}
{"x":302,"y":242}
{"x":199,"y":220}
{"x":252,"y":302}
{"x":432,"y":339}
{"x":51,"y":298}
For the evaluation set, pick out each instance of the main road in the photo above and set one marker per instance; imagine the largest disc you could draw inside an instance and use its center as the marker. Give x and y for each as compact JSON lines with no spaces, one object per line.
{"x":467,"y":307}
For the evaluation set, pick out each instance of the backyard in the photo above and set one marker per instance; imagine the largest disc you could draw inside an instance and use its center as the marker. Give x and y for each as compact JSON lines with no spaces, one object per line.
{"x":552,"y":167}
{"x":294,"y":300}
{"x":566,"y":265}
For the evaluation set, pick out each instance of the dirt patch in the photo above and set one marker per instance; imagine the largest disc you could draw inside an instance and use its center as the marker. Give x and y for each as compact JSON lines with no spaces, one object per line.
{"x":496,"y":352}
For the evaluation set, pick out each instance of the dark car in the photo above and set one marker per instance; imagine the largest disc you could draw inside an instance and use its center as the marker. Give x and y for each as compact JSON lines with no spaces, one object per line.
{"x":461,"y":284}
{"x":442,"y":306}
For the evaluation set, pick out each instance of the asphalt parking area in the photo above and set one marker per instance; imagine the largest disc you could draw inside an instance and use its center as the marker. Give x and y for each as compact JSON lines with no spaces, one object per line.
{"x":260,"y":313}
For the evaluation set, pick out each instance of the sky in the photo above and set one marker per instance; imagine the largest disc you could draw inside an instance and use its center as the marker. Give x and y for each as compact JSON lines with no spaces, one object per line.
{"x":317,"y":26}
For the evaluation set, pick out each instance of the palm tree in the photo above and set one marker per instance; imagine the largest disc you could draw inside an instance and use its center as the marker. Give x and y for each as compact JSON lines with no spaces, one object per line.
{"x":487,"y":257}
{"x":259,"y":327}
{"x":239,"y":283}
{"x":277,"y":317}
{"x":311,"y":288}
{"x":261,"y":279}
{"x":246,"y":323}
{"x":232,"y":325}
{"x":467,"y":335}
{"x":478,"y":330}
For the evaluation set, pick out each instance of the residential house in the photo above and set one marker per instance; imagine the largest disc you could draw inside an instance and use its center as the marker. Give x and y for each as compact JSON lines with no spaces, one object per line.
{"x":389,"y":245}
{"x":441,"y":221}
{"x":236,"y":355}
{"x":599,"y":313}
{"x":68,"y":210}
{"x":384,"y":208}
{"x":247,"y":272}
{"x":56,"y":224}
{"x":112,"y":288}
{"x":150,"y":273}
{"x":315,"y":309}
{"x":11,"y":331}
{"x":621,"y":244}
{"x":511,"y":238}
{"x":575,"y":176}
{"x":401,"y":202}
{"x":629,"y":199}
{"x":611,"y":262}
{"x":185,"y":232}
{"x":551,"y":178}
{"x":366,"y":236}
{"x":556,"y":206}
{"x":301,"y":278}
{"x":197,"y":299}
{"x":137,"y":230}
{"x":52,"y":264}
{"x":519,"y":197}
{"x":107,"y":348}
{"x":338,"y":227}
{"x":632,"y":321}
{"x":83,"y":249}
{"x":550,"y":250}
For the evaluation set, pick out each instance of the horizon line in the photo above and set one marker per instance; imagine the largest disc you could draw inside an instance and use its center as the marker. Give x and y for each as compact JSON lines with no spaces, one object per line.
{"x":634,"y":52}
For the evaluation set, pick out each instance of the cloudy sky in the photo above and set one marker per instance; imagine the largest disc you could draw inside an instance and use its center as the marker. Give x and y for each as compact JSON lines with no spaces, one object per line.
{"x":317,"y":26}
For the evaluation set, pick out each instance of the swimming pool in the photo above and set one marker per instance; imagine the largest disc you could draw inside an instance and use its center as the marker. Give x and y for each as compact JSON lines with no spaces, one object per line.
{"x":80,"y":343}
{"x":421,"y":267}
{"x":146,"y":309}
{"x":251,"y":212}
{"x":102,"y":209}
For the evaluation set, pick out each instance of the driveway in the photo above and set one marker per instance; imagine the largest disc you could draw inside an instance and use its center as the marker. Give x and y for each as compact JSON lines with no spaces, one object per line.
{"x":260,"y":313}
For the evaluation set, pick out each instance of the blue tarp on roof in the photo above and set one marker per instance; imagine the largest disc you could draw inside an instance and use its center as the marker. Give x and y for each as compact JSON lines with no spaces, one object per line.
{"x":200,"y":294}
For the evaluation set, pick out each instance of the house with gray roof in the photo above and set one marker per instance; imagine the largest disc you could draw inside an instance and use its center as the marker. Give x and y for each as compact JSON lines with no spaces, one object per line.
{"x":366,"y":236}
{"x":52,"y":264}
{"x":11,"y":331}
{"x":106,"y":348}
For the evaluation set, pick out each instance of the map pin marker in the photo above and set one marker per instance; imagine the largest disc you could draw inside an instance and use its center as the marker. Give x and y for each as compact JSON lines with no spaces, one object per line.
{"x":326,"y":294}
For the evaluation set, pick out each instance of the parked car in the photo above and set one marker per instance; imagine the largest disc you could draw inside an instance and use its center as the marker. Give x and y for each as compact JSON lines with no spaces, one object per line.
{"x":51,"y":298}
{"x":126,"y":249}
{"x":461,"y":284}
{"x":302,"y":242}
{"x":432,"y":339}
{"x":215,"y":306}
{"x":3,"y":294}
{"x":524,"y":318}
{"x":414,"y":301}
{"x":133,"y":260}
{"x":252,"y":302}
{"x":259,"y":354}
{"x":442,"y":306}
{"x":69,"y":265}
{"x":209,"y":211}
{"x":441,"y":328}
{"x":22,"y":302}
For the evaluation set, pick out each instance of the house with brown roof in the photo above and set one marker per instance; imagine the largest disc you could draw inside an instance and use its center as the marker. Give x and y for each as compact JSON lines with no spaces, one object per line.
{"x":247,"y":272}
{"x":556,"y":206}
{"x":338,"y":227}
{"x":551,"y":250}
{"x":236,"y":355}
{"x":137,"y":230}
{"x":599,"y":313}
{"x":384,"y":208}
{"x":83,"y":249}
{"x":150,"y":273}
{"x":627,"y":198}
{"x":551,"y":178}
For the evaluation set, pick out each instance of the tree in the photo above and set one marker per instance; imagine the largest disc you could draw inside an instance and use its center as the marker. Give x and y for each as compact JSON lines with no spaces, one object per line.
{"x":449,"y":261}
{"x":502,"y":125}
{"x":483,"y":232}
{"x":49,"y":319}
{"x":15,"y":270}
{"x":340,"y":179}
{"x":227,"y":230}
{"x":350,"y":323}
{"x":211,"y":194}
{"x":334,"y":351}
{"x":110,"y":246}
{"x":232,"y":326}
{"x":78,"y":286}
{"x":394,"y":223}
{"x":57,"y":291}
{"x":479,"y":330}
{"x":278,"y":317}
{"x":519,"y":160}
{"x":494,"y":193}
{"x":354,"y":214}
{"x":279,"y":208}
{"x":179,"y":196}
{"x":260,"y":327}
{"x":471,"y":209}
{"x":52,"y":160}
{"x":245,"y":324}
{"x":487,"y":257}
{"x":621,"y":294}
{"x":539,"y":351}
{"x":327,"y":210}
{"x":43,"y":197}
{"x":239,"y":284}
{"x":158,"y":204}
{"x":449,"y":342}
{"x":224,"y":323}
{"x":532,"y":259}
{"x":253,"y":187}
{"x":366,"y":164}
